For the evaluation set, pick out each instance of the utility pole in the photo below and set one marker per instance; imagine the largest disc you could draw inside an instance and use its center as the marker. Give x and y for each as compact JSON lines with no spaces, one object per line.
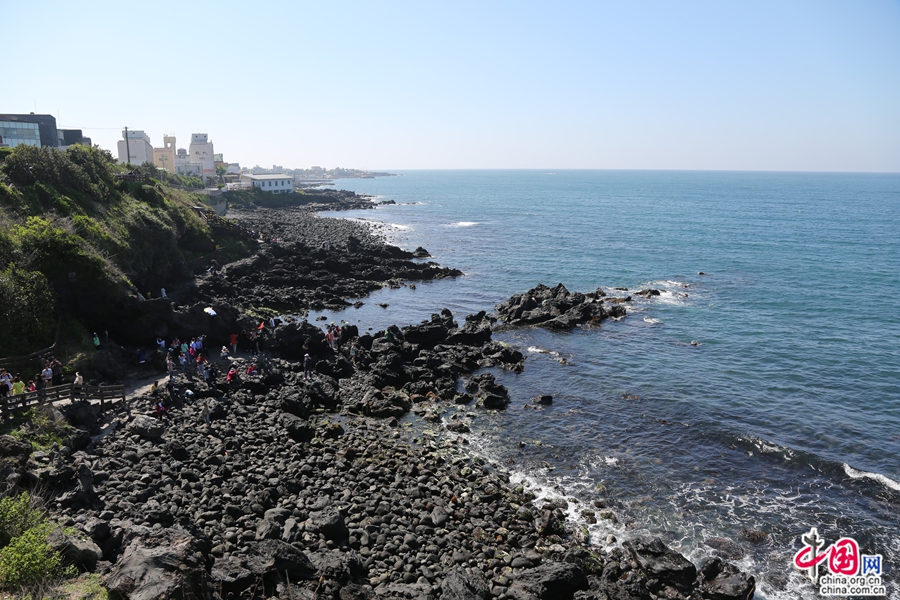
{"x":127,"y":148}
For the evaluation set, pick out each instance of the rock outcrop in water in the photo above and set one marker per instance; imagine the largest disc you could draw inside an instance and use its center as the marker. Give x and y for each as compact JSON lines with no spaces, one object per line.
{"x":556,"y":308}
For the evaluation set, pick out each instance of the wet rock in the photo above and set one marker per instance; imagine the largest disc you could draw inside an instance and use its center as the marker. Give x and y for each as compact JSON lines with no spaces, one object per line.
{"x":719,"y":580}
{"x":725,"y":548}
{"x":661,"y":565}
{"x":554,"y":308}
{"x":755,"y":535}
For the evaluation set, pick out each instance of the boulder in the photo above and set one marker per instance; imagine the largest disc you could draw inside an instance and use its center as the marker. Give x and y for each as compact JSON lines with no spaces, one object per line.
{"x":278,"y":560}
{"x":83,"y":554}
{"x":719,"y":580}
{"x":231,"y":575}
{"x":549,"y":581}
{"x":328,"y":522}
{"x":340,"y":565}
{"x":13,"y":453}
{"x":165,"y":563}
{"x":462,"y":585}
{"x":147,"y":427}
{"x":661,"y":565}
{"x":298,"y":429}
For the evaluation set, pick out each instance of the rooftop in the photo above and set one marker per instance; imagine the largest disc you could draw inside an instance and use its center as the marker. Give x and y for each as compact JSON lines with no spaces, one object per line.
{"x":267,"y":176}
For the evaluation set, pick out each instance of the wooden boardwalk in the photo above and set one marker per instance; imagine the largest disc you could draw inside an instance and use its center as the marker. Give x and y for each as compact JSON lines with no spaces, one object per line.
{"x":105,"y":394}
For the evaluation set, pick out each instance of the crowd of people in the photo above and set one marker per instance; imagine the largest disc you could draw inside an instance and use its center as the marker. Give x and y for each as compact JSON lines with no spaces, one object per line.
{"x":49,"y":376}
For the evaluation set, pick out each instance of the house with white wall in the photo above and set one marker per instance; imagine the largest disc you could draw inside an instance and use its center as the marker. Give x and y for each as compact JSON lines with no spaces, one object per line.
{"x":277,"y":183}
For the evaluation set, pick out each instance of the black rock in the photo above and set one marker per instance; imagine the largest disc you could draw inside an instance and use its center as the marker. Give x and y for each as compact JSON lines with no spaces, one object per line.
{"x":463,"y":585}
{"x":549,"y":581}
{"x":661,"y":564}
{"x":720,"y":580}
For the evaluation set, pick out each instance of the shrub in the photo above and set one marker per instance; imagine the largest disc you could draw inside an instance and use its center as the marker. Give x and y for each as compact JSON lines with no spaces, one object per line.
{"x":18,"y":514}
{"x":27,"y":311}
{"x":29,"y":559}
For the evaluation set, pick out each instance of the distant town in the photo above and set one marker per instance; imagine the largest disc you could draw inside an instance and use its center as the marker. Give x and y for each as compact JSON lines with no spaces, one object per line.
{"x":199,"y":160}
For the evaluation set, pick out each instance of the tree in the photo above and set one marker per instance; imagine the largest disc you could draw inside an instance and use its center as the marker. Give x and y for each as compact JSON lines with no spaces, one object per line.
{"x":27,"y":311}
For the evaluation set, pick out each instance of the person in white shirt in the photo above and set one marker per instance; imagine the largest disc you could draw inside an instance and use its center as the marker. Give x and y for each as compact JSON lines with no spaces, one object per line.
{"x":47,"y":374}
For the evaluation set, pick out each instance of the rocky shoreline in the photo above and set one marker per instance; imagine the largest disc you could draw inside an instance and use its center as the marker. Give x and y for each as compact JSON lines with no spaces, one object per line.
{"x":307,"y":485}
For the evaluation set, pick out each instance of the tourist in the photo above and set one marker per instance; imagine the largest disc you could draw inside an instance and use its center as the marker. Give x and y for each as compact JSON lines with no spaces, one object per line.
{"x":232,"y":375}
{"x":307,"y":366}
{"x":182,"y":359}
{"x":154,"y":388}
{"x":252,"y":369}
{"x":224,"y":352}
{"x":161,"y":410}
{"x":161,"y":343}
{"x":47,"y":375}
{"x":96,"y":341}
{"x":234,"y":342}
{"x":5,"y":382}
{"x":79,"y":380}
{"x":18,"y":386}
{"x":205,"y":412}
{"x":141,"y":356}
{"x":57,"y":370}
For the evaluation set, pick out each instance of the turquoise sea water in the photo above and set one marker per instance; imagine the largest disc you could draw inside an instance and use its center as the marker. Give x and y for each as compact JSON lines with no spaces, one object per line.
{"x":787,"y":413}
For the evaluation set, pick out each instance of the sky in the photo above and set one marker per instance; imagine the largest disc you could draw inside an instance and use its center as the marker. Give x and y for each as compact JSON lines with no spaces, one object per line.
{"x":795,"y":86}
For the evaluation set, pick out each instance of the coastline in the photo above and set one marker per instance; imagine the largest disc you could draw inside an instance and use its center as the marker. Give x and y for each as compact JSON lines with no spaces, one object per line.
{"x":494,"y":541}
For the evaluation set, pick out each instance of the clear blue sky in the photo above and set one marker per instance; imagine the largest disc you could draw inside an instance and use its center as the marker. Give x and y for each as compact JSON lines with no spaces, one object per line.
{"x":390,"y":85}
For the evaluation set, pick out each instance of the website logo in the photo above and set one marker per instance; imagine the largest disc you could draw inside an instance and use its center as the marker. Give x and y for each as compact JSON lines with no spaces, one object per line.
{"x":848,"y":573}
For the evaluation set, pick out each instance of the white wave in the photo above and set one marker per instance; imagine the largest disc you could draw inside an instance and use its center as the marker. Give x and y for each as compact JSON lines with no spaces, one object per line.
{"x":653,"y":321}
{"x":885,"y":481}
{"x":611,"y":461}
{"x":464,"y":224}
{"x":537,"y":350}
{"x":400,"y":227}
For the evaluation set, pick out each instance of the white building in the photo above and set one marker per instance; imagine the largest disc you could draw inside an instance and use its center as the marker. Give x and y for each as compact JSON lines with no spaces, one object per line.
{"x":277,"y":183}
{"x":135,"y":148}
{"x":201,"y":153}
{"x":184,"y":166}
{"x":165,"y":157}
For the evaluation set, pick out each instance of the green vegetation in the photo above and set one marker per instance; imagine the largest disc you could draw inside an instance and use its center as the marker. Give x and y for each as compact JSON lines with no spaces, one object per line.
{"x":38,"y":426}
{"x":76,"y":236}
{"x":86,"y":586}
{"x":26,"y":559}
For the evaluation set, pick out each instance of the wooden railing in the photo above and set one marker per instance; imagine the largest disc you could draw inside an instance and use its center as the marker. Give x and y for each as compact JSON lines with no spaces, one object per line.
{"x":61,"y":393}
{"x":14,"y":363}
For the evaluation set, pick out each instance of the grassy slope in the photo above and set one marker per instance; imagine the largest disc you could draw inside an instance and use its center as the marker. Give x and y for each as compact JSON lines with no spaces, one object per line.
{"x":73,"y":238}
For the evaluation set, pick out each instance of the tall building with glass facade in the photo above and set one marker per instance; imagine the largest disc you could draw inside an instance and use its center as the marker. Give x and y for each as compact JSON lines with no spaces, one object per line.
{"x":14,"y":133}
{"x":46,"y":125}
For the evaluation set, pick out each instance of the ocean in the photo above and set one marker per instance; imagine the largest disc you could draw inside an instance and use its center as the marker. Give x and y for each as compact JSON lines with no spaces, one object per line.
{"x":763,"y":394}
